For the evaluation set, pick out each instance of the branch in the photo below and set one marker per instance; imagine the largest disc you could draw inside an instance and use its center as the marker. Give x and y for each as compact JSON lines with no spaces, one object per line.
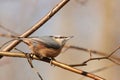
{"x":85,"y":49}
{"x":8,"y":35}
{"x":8,"y":30}
{"x":38,"y":24}
{"x":56,"y":63}
{"x":107,"y":56}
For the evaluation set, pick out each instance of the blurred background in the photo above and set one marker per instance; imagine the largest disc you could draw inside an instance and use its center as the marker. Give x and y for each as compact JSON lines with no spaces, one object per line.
{"x":93,"y":23}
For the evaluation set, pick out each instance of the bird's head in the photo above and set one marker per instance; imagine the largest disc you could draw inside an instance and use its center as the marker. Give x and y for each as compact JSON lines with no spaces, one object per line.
{"x":61,"y":40}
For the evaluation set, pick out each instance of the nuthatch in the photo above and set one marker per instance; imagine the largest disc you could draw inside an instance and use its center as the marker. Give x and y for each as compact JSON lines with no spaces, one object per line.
{"x":46,"y":46}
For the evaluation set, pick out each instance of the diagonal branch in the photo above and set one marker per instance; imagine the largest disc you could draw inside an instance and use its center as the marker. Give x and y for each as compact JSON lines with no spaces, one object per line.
{"x":38,"y":24}
{"x":56,"y":63}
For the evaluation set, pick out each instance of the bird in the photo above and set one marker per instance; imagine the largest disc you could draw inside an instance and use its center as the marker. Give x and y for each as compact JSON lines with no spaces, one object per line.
{"x":46,"y":46}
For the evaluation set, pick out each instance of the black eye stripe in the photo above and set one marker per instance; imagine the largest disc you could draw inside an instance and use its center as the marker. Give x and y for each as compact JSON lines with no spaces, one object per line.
{"x":58,"y":37}
{"x":61,"y":37}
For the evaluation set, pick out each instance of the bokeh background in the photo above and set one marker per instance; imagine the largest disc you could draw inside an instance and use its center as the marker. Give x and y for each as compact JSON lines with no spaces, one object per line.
{"x":94,"y":25}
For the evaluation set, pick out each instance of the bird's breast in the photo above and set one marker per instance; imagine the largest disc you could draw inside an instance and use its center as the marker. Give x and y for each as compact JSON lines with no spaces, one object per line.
{"x":49,"y":52}
{"x":41,"y":50}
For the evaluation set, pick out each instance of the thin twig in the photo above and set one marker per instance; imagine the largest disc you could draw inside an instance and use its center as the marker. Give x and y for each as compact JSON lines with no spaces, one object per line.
{"x":29,"y":59}
{"x":30,"y":62}
{"x":38,"y":24}
{"x":56,"y":63}
{"x":86,"y":61}
{"x":110,"y":57}
{"x":85,"y":49}
{"x":114,"y":51}
{"x":91,"y":59}
{"x":7,"y":35}
{"x":8,"y":30}
{"x":99,"y":58}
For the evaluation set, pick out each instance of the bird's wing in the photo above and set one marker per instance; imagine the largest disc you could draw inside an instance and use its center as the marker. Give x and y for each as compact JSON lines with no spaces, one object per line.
{"x":48,"y":42}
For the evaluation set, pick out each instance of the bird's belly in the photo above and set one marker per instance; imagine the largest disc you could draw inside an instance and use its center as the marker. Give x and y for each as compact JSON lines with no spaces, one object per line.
{"x":49,"y":52}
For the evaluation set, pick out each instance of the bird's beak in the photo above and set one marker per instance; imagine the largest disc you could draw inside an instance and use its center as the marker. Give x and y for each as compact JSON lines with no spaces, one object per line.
{"x":69,"y":37}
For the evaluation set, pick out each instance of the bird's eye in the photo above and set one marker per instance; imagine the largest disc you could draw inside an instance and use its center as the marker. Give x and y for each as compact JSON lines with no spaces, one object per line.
{"x":54,"y":37}
{"x":61,"y":37}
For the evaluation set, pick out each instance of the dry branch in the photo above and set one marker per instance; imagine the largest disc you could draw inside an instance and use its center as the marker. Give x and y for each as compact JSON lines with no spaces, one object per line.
{"x":56,"y":63}
{"x":107,"y":56}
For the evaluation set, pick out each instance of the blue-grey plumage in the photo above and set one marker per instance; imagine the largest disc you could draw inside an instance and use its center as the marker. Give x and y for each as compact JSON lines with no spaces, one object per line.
{"x":46,"y":46}
{"x":49,"y":42}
